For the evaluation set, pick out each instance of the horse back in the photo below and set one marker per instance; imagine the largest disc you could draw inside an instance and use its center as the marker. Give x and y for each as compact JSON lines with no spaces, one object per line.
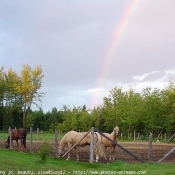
{"x":22,"y":132}
{"x":73,"y":137}
{"x":18,"y":133}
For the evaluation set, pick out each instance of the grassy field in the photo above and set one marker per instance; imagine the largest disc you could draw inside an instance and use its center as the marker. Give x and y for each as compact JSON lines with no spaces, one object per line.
{"x":41,"y":136}
{"x":12,"y":162}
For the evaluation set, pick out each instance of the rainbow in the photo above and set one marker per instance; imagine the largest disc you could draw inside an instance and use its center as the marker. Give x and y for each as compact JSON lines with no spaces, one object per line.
{"x":116,"y":37}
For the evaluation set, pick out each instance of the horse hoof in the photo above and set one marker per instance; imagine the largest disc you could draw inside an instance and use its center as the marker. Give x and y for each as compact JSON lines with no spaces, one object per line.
{"x":96,"y":160}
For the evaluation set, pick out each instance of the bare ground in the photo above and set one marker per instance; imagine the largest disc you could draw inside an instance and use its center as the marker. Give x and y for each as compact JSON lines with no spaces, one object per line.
{"x":139,"y":149}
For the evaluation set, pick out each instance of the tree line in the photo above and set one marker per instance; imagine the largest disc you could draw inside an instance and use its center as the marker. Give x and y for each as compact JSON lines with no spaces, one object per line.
{"x":18,"y":91}
{"x":151,"y":110}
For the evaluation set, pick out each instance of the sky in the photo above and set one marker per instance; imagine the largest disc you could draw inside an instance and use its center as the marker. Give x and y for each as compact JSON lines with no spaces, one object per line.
{"x":87,"y":48}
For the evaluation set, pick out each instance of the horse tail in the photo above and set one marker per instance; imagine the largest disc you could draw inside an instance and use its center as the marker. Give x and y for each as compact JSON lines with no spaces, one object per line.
{"x":99,"y":144}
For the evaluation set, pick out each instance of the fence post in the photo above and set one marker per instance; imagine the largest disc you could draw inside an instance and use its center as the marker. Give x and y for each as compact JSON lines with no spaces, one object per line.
{"x":37,"y":132}
{"x":138,"y":136}
{"x":56,"y":143}
{"x":31,"y":143}
{"x":134,"y":136}
{"x":92,"y":146}
{"x":130,"y":135}
{"x":150,"y":147}
{"x":10,"y":135}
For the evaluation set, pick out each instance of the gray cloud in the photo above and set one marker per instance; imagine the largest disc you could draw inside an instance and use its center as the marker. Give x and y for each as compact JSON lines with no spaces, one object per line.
{"x":71,"y":39}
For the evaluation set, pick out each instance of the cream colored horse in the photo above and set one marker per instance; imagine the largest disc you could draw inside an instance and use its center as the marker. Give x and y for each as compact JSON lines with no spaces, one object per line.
{"x":72,"y":137}
{"x":106,"y":143}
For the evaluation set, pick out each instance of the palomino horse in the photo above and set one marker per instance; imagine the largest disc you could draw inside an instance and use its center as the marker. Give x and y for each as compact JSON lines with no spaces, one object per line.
{"x":106,"y":143}
{"x":72,"y":137}
{"x":17,"y":134}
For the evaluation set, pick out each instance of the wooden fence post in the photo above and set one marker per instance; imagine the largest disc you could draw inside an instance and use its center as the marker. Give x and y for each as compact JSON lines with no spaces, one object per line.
{"x":10,"y":135}
{"x":121,"y":135}
{"x":92,"y":146}
{"x":31,"y":143}
{"x":56,"y":143}
{"x":150,"y":147}
{"x":138,"y":136}
{"x":37,"y":131}
{"x":134,"y":136}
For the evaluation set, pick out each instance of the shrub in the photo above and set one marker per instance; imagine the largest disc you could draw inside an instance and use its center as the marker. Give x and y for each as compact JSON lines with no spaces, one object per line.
{"x":44,"y":150}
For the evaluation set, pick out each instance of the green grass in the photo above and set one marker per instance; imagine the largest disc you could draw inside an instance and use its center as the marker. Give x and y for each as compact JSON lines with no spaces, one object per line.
{"x":3,"y":135}
{"x":42,"y":136}
{"x":18,"y":161}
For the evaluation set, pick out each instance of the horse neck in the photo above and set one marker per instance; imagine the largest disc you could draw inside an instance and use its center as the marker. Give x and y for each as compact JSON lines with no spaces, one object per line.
{"x":61,"y":145}
{"x":113,"y":136}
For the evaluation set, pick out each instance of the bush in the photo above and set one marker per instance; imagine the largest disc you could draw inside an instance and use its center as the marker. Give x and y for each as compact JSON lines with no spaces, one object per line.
{"x":44,"y":150}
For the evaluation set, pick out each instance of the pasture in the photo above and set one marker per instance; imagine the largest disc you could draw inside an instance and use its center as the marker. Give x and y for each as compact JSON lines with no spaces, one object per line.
{"x":22,"y":161}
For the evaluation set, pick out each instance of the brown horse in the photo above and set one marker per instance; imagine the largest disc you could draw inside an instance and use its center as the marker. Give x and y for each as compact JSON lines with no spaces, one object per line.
{"x":72,"y":137}
{"x":17,"y":134}
{"x":106,"y":143}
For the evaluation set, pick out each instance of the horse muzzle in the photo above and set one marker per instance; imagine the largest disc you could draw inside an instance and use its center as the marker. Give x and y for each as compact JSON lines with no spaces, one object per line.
{"x":117,"y":135}
{"x":7,"y":145}
{"x":60,"y":153}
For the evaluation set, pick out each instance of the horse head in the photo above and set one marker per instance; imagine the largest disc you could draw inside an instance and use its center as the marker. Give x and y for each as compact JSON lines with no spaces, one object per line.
{"x":60,"y":153}
{"x":7,"y":143}
{"x":116,"y":131}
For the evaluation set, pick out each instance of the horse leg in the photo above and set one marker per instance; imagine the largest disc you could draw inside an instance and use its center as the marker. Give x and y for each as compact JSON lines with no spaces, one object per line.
{"x":21,"y":148}
{"x":113,"y":152}
{"x":76,"y":153}
{"x":105,"y":152}
{"x":23,"y":145}
{"x":17,"y":142}
{"x":96,"y":154}
{"x":24,"y":142}
{"x":69,"y":146}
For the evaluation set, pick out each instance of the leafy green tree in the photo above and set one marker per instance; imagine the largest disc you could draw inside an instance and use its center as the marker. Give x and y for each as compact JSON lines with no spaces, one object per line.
{"x":11,"y":100}
{"x":114,"y":108}
{"x":66,"y":125}
{"x":55,"y":118}
{"x":153,"y":110}
{"x":2,"y":86}
{"x":28,"y":88}
{"x":168,"y":109}
{"x":85,"y":119}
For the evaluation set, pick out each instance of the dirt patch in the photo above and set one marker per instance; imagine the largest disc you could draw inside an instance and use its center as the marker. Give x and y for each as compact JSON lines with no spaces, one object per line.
{"x":139,"y":149}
